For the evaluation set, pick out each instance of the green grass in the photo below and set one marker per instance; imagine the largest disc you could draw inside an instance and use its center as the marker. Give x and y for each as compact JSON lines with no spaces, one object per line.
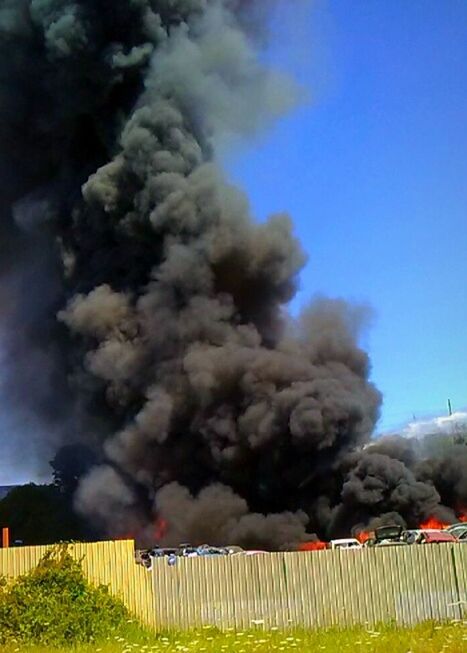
{"x":425,"y":638}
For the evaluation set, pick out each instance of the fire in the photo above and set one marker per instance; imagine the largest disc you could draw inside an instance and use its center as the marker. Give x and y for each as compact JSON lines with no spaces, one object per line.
{"x":125,"y":536}
{"x":433,"y":523}
{"x":160,"y":528}
{"x":462,"y":515}
{"x":312,"y":546}
{"x":363,"y":536}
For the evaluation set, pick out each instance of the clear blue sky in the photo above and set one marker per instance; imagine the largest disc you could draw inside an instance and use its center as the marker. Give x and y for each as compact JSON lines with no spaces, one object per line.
{"x":374,"y":172}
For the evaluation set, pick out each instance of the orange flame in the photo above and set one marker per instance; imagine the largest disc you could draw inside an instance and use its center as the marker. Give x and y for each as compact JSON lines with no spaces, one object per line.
{"x":433,"y":523}
{"x":363,"y":536}
{"x":463,"y":516}
{"x":312,"y":546}
{"x":125,"y":536}
{"x":160,"y":528}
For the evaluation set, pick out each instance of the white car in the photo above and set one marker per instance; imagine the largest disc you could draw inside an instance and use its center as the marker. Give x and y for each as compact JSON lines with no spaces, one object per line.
{"x":458,"y":530}
{"x":346,"y":543}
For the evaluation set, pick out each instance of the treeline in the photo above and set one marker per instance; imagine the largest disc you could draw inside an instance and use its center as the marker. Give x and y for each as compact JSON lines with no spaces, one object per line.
{"x":44,"y":514}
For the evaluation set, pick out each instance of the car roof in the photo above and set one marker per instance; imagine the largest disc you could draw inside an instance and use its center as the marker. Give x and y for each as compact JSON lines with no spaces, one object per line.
{"x":425,"y":530}
{"x":391,"y":543}
{"x":439,"y":536}
{"x":345,"y":540}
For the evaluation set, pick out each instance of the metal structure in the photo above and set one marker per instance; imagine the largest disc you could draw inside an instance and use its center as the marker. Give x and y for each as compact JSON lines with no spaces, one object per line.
{"x":406,"y":585}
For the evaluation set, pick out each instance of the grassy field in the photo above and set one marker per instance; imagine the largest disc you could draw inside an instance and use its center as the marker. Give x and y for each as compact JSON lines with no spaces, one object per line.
{"x":426,"y":638}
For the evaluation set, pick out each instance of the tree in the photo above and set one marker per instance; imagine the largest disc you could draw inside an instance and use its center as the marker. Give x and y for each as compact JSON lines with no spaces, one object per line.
{"x":41,"y":514}
{"x":70,"y":463}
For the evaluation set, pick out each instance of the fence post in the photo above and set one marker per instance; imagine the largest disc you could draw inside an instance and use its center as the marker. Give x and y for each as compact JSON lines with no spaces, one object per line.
{"x":5,"y":537}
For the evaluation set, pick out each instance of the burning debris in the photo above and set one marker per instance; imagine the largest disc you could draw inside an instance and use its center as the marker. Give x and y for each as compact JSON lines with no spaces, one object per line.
{"x":315,"y":545}
{"x":156,"y":333}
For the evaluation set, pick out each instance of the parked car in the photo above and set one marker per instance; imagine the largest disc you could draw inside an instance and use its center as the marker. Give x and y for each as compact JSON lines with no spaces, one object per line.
{"x":428,"y":536}
{"x":391,"y":543}
{"x":346,"y":543}
{"x":163,"y":552}
{"x":458,"y":530}
{"x":206,"y":550}
{"x":234,"y":549}
{"x":386,"y":536}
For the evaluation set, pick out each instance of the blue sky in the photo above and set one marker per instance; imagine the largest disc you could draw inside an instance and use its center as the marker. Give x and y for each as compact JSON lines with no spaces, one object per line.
{"x":373,"y":169}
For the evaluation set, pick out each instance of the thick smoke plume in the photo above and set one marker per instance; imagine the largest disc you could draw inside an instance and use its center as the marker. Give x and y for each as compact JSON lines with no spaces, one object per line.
{"x":144,"y":307}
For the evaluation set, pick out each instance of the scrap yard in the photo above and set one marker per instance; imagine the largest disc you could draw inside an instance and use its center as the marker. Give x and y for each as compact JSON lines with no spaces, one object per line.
{"x":431,"y":532}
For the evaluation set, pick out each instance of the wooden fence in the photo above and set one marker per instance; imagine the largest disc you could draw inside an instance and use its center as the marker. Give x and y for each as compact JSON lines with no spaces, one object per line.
{"x":315,"y":589}
{"x":405,"y":585}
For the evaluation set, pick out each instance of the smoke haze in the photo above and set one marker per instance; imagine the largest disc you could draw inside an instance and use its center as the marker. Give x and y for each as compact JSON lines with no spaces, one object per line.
{"x":144,"y":308}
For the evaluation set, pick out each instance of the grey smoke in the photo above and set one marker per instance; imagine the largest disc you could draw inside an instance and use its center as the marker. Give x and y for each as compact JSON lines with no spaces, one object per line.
{"x":219,"y":516}
{"x":212,"y":72}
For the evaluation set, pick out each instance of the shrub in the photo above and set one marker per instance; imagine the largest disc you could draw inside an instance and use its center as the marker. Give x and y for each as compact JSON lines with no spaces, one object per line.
{"x":54,"y":604}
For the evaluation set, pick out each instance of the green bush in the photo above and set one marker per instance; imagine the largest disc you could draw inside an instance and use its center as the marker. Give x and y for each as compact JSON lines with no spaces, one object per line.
{"x":54,"y":605}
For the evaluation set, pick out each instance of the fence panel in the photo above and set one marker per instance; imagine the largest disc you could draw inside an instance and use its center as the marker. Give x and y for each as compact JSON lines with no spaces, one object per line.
{"x":315,"y":589}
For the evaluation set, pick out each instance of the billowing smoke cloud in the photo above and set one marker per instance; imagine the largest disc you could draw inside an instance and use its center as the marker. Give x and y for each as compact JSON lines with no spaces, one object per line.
{"x":149,"y":306}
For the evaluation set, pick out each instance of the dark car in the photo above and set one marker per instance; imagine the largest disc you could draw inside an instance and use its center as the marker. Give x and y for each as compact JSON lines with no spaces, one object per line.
{"x":387,"y":536}
{"x":163,"y":552}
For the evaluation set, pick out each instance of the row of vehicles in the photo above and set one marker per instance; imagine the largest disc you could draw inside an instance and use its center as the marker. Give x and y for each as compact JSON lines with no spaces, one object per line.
{"x":147,"y":556}
{"x":383,"y":536}
{"x":397,"y":536}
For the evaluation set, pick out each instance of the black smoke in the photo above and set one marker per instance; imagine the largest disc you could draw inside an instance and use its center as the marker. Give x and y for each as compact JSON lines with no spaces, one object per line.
{"x":144,"y":309}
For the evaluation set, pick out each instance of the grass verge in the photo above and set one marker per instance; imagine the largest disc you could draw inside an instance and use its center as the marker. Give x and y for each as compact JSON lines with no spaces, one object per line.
{"x":425,"y":638}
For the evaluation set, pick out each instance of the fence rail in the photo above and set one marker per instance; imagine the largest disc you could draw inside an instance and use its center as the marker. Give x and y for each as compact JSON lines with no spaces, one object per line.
{"x":317,"y":589}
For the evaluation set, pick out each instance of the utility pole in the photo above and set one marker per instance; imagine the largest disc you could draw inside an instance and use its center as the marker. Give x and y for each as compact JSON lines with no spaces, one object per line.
{"x":449,"y":408}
